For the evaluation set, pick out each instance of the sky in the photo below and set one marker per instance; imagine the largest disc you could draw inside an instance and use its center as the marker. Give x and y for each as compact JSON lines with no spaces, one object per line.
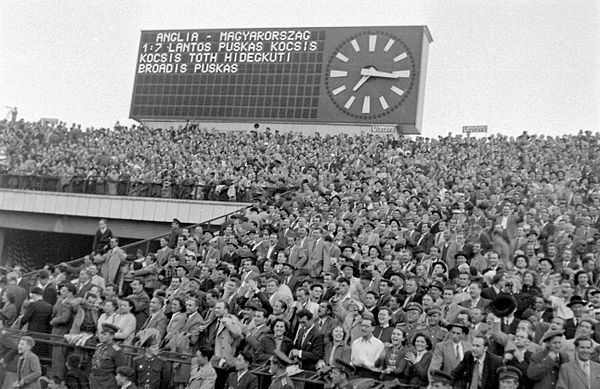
{"x":516,"y":65}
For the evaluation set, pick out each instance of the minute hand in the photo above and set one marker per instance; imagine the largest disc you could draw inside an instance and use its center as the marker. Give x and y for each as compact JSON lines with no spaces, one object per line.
{"x":377,"y":73}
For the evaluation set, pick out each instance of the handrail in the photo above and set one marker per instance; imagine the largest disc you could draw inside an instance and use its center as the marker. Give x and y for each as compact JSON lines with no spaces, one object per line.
{"x":147,"y":241}
{"x":125,"y":187}
{"x":305,"y":376}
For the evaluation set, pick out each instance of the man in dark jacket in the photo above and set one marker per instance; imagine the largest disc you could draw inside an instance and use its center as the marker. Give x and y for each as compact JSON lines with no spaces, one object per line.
{"x":9,"y":355}
{"x":37,"y":317}
{"x":102,"y":238}
{"x":478,"y":367}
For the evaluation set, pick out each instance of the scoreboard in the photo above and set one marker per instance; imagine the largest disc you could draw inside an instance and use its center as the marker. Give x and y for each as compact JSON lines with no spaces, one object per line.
{"x":357,"y":75}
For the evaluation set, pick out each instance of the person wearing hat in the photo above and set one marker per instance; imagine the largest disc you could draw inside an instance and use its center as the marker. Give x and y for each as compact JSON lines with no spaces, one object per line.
{"x":152,"y":372}
{"x":61,"y":322}
{"x":279,"y":363}
{"x":124,"y":377}
{"x":448,"y":354}
{"x":509,"y":377}
{"x":545,"y":365}
{"x":340,"y":374}
{"x":581,"y":372}
{"x":107,"y":358}
{"x":436,"y":332}
{"x":440,"y":380}
{"x":411,"y":324}
{"x":576,"y":304}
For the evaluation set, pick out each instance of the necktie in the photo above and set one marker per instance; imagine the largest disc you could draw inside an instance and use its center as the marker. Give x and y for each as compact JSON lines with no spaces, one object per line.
{"x":586,"y":371}
{"x":457,"y":352}
{"x":298,"y":337}
{"x":475,"y":378}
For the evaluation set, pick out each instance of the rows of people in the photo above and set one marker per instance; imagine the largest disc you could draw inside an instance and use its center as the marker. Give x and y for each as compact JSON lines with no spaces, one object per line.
{"x":403,"y":258}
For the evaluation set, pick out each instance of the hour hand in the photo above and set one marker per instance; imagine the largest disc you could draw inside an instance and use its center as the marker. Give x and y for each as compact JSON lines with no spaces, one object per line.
{"x":361,"y":82}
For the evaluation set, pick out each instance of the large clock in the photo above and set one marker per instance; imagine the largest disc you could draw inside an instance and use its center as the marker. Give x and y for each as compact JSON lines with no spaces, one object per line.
{"x":370,"y":74}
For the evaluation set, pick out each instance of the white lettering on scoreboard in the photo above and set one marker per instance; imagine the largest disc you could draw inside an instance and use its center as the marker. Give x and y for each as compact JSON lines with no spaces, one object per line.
{"x":206,"y":52}
{"x":384,"y":129}
{"x":472,"y":129}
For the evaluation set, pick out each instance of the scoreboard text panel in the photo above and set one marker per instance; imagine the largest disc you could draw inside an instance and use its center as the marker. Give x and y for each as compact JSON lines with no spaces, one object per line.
{"x":282,"y":74}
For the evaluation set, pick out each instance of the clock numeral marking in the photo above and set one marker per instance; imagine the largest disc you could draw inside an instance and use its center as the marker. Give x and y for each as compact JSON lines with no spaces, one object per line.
{"x":338,"y":73}
{"x":389,"y":45}
{"x":397,"y":90}
{"x":400,"y":57}
{"x":349,"y":102}
{"x":366,"y":105}
{"x":402,"y":73}
{"x":384,"y":103}
{"x":339,"y":90}
{"x":341,"y":57}
{"x":355,"y":45}
{"x":372,"y":42}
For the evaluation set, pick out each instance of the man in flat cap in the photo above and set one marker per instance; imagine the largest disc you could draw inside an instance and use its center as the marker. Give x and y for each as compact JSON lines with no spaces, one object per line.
{"x":544,"y":365}
{"x":509,"y":377}
{"x":279,"y":363}
{"x":107,"y":358}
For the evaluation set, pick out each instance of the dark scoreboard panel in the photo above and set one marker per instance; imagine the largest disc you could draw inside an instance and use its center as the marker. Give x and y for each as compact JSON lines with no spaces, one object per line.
{"x":358,"y":75}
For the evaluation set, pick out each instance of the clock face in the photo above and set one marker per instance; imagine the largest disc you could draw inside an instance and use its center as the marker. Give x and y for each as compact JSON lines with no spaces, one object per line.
{"x":370,"y":75}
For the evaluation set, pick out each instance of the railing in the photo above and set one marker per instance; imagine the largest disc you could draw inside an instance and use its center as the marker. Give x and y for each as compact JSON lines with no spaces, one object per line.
{"x":183,"y":191}
{"x":151,"y":244}
{"x":147,"y":245}
{"x":262,"y":371}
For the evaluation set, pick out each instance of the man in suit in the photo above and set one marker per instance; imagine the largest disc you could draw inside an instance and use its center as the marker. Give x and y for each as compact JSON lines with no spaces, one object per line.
{"x":544,"y":366}
{"x":477,"y":370}
{"x":508,"y":220}
{"x":102,"y":238}
{"x":29,"y":369}
{"x":157,"y":319}
{"x":319,"y":257}
{"x":493,"y":291}
{"x":228,"y":330}
{"x":475,"y":299}
{"x":580,"y":372}
{"x":297,"y":255}
{"x":448,"y":354}
{"x":141,"y":301}
{"x":242,"y":378}
{"x":289,"y":278}
{"x":84,"y":283}
{"x":309,"y":344}
{"x":163,"y":254}
{"x":426,"y":240}
{"x":325,"y":321}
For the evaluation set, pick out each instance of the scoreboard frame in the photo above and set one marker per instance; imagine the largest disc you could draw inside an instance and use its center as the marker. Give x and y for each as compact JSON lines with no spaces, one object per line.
{"x":372,"y":76}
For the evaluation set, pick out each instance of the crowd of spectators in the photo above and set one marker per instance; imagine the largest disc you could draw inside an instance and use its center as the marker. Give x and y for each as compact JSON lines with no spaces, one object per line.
{"x":402,"y":259}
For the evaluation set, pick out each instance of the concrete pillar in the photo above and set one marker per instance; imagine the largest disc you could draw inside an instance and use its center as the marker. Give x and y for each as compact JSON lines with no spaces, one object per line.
{"x":2,"y":235}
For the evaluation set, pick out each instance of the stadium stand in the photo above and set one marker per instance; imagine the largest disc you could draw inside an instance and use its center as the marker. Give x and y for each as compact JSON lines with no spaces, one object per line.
{"x":399,"y":260}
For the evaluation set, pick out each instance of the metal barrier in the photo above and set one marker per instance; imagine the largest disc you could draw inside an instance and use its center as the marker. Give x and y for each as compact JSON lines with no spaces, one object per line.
{"x":84,"y":185}
{"x":148,"y":245}
{"x":304,"y":377}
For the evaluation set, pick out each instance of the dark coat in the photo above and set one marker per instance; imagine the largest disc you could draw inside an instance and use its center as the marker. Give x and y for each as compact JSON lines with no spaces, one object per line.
{"x":248,"y":381}
{"x":102,"y":241}
{"x":38,"y":315}
{"x":312,"y":346}
{"x":463,"y":373}
{"x":267,"y":346}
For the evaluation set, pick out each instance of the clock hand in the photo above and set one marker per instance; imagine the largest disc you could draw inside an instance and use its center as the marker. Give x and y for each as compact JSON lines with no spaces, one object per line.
{"x":360,"y":82}
{"x":376,"y":73}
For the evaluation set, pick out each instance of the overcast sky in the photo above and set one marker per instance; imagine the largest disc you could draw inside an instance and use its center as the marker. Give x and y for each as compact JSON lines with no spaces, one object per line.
{"x":512,"y":65}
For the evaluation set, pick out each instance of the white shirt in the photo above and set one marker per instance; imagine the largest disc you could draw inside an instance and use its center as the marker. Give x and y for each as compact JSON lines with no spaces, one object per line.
{"x":366,"y":352}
